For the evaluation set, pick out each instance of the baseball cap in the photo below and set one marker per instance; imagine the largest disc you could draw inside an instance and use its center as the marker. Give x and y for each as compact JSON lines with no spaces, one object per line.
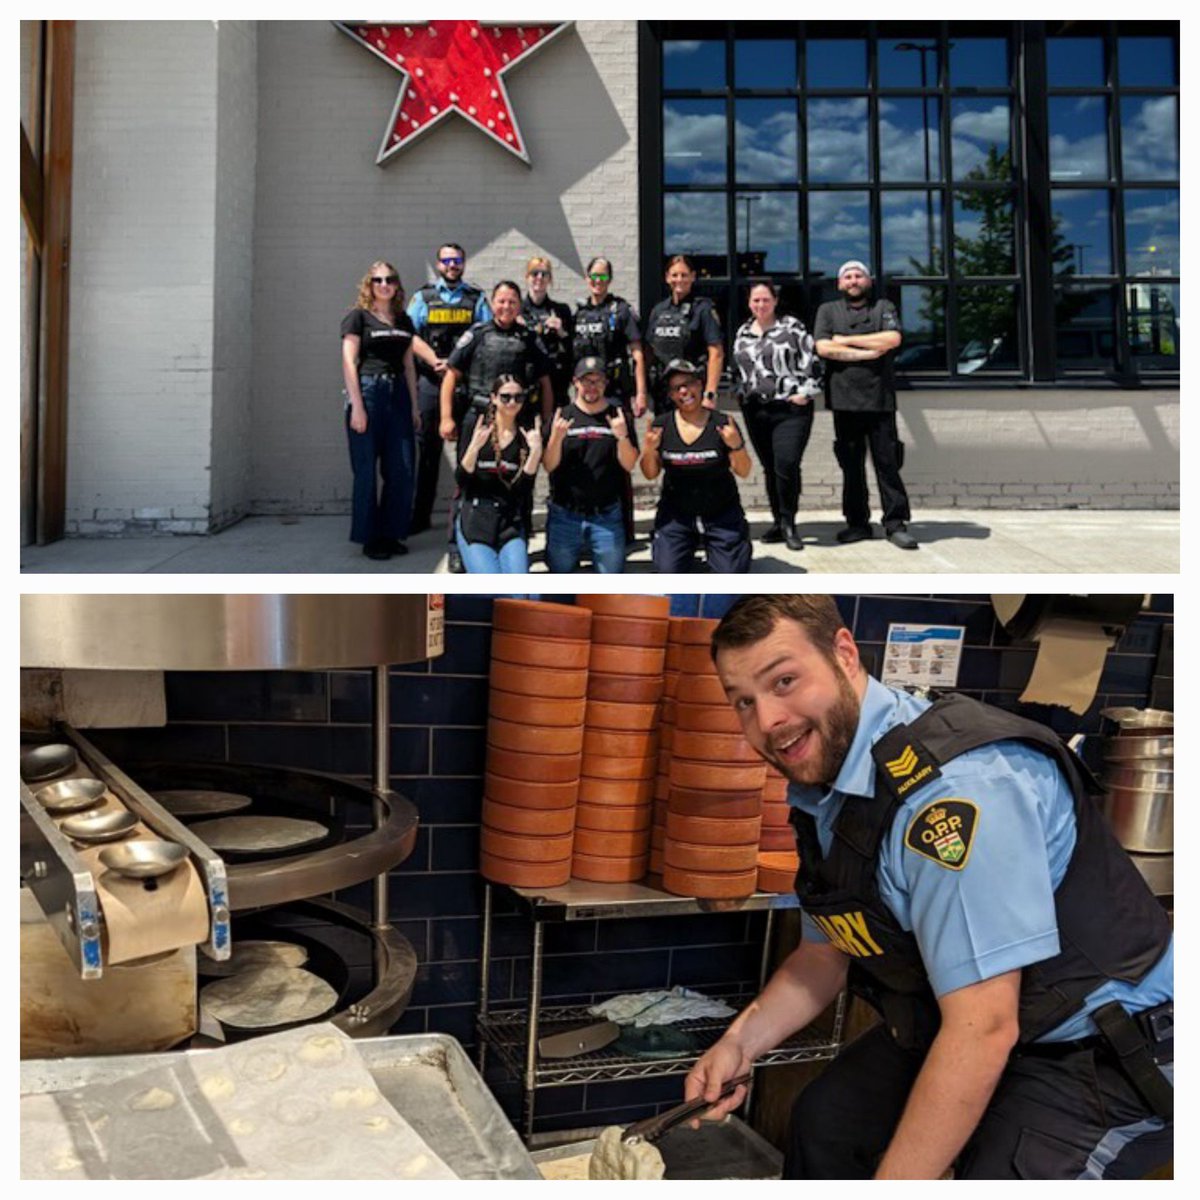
{"x":681,"y":366}
{"x":590,"y":365}
{"x":854,"y":265}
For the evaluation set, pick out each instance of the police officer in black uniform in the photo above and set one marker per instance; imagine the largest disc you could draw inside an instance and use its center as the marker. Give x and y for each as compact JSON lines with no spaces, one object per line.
{"x":957,"y":872}
{"x":441,"y":312}
{"x":552,"y":322}
{"x":606,"y":327}
{"x":687,"y":328}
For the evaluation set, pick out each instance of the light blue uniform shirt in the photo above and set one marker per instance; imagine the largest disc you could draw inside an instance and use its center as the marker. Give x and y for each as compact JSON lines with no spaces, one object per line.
{"x":418,"y":310}
{"x":996,"y":914}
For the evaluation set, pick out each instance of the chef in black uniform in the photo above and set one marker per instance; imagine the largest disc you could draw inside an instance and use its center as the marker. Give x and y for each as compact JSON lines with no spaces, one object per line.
{"x":698,"y":452}
{"x":684,"y":327}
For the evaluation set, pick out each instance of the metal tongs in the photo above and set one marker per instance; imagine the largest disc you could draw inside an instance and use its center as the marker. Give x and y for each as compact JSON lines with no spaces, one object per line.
{"x":652,"y":1128}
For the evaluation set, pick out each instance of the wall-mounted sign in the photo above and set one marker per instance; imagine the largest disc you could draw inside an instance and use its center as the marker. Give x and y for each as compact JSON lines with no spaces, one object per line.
{"x":922,"y":656}
{"x":448,"y":67}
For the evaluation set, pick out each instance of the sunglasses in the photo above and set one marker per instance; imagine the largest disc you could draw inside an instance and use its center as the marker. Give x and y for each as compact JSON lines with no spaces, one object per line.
{"x":456,"y":261}
{"x":599,"y":278}
{"x":536,"y":273}
{"x":382,"y":279}
{"x":510,"y":397}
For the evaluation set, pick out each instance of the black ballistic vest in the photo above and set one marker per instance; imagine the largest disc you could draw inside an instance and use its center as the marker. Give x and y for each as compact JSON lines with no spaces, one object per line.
{"x":600,"y":331}
{"x":447,"y":320}
{"x":1110,"y":926}
{"x":498,"y":352}
{"x":671,"y":335}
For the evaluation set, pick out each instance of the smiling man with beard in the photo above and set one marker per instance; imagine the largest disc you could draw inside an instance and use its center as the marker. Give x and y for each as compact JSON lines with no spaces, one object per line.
{"x":957,"y":875}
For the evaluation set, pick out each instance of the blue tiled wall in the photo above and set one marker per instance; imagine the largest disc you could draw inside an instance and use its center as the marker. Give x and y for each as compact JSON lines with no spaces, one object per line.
{"x":321,"y":721}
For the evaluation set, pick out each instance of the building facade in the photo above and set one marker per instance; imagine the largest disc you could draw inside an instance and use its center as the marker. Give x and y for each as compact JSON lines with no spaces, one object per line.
{"x":1014,"y":185}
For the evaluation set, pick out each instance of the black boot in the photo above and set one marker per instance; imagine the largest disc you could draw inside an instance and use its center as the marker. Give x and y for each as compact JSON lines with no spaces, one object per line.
{"x":774,"y":535}
{"x":791,"y":536}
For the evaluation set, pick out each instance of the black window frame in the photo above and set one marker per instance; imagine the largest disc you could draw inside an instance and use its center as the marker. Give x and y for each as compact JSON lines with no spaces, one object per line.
{"x":1034,"y":280}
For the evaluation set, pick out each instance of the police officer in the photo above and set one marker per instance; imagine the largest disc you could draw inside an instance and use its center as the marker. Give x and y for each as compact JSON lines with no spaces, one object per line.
{"x":606,"y":327}
{"x":956,"y":870}
{"x":441,"y":312}
{"x":553,"y":324}
{"x":858,"y":339}
{"x":685,"y":327}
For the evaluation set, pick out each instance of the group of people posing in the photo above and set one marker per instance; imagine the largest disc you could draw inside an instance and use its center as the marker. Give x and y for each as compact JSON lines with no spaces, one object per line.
{"x":518,"y":381}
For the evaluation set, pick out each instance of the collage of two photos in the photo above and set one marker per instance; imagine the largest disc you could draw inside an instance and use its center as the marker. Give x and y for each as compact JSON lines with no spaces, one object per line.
{"x":407,"y":878}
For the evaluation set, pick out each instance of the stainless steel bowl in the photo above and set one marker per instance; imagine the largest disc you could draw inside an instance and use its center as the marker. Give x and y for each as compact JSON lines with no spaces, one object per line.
{"x":144,"y":859}
{"x":70,"y":795}
{"x":1138,"y":777}
{"x":1120,"y":749}
{"x":1144,"y":821}
{"x":106,"y":826}
{"x":45,"y":762}
{"x":1139,"y":720}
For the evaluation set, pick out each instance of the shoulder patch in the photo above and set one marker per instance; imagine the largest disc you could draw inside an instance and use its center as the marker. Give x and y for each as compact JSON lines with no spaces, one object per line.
{"x":912,"y":767}
{"x":943,"y":831}
{"x":466,"y":339}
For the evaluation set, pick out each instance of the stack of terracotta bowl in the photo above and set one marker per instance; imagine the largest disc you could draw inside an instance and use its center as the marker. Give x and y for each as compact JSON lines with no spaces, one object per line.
{"x":714,"y":807}
{"x":536,"y":710}
{"x":778,"y":861}
{"x":666,"y":729}
{"x":620,"y":741}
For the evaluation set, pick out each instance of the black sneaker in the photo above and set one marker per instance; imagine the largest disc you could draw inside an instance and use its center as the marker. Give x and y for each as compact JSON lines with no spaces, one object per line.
{"x":377,"y":550}
{"x":793,"y":539}
{"x":773,"y":536}
{"x":854,"y":533}
{"x":454,"y":563}
{"x":397,"y":547}
{"x":902,"y":538}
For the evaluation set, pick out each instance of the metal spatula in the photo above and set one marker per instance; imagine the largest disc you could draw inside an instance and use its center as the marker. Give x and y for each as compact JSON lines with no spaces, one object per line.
{"x":652,"y":1128}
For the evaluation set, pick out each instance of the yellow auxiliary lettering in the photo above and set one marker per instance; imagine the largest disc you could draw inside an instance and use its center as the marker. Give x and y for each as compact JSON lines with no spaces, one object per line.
{"x":830,"y":931}
{"x":860,"y":926}
{"x":849,"y":940}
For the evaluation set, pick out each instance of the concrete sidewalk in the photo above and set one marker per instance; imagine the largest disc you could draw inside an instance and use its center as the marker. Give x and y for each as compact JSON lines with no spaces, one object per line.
{"x":952,"y":540}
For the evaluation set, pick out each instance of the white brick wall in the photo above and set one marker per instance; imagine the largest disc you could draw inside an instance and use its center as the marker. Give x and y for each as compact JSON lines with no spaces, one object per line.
{"x":325,"y":211}
{"x":141,"y":327}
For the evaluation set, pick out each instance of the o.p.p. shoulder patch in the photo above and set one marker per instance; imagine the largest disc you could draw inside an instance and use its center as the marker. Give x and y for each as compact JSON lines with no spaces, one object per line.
{"x":944,"y":831}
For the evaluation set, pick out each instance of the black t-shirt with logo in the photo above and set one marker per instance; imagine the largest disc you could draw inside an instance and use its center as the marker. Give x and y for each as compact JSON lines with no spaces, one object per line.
{"x":496,"y":477}
{"x":589,"y":477}
{"x":382,"y":347}
{"x":697,"y":479}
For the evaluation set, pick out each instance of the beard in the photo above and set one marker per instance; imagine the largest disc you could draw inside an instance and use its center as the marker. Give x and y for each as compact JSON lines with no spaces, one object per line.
{"x":835,"y":733}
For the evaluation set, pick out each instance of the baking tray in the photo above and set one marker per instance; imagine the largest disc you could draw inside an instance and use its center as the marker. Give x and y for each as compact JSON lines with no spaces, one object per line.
{"x":727,"y":1149}
{"x":427,"y":1077}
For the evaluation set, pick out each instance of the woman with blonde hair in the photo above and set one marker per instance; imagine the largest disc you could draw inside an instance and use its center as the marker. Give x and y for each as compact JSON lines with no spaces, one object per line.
{"x":378,"y":342}
{"x":552,"y":324}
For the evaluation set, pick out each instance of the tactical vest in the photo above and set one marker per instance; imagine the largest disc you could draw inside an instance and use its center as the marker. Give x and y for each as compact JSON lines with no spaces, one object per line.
{"x":498,"y":352}
{"x":1109,"y":924}
{"x":670,"y":335}
{"x":447,"y":320}
{"x":599,"y":332}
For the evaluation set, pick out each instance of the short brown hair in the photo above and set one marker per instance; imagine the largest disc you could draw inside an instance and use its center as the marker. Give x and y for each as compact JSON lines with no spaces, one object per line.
{"x":753,"y":618}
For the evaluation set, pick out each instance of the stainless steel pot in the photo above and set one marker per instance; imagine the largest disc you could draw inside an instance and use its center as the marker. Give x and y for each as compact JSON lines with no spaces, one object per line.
{"x":1121,"y":749}
{"x":1139,"y":775}
{"x":1139,"y":721}
{"x":1144,"y":821}
{"x":1158,"y":870}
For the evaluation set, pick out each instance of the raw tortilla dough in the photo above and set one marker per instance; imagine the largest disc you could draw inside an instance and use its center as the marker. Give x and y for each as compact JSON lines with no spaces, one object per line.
{"x":575,"y":1167}
{"x":267,"y":997}
{"x":246,"y":834}
{"x":247,"y":956}
{"x":200,"y":802}
{"x":615,"y":1159}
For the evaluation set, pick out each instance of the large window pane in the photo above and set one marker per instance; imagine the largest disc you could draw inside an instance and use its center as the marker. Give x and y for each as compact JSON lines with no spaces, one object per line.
{"x":768,"y":232}
{"x":1075,"y":62}
{"x":908,"y":63}
{"x":765,"y":141}
{"x":1152,"y":231}
{"x":1153,"y":325}
{"x":1085,"y":328}
{"x":765,"y":64}
{"x":839,"y":229}
{"x":923,"y":321}
{"x":694,"y":65}
{"x":979,"y":139}
{"x":1078,"y":137}
{"x":910,"y":147}
{"x":694,"y":223}
{"x":1081,"y":227}
{"x":837,"y":140}
{"x":987,"y":329}
{"x":983,"y":233}
{"x":836,"y":63}
{"x":1147,"y":61}
{"x":978,"y":62}
{"x":694,"y":141}
{"x":1149,"y":146}
{"x":912,"y":233}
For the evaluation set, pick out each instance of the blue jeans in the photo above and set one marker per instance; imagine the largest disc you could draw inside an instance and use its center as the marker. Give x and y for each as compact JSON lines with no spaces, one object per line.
{"x":511,"y":559}
{"x":569,"y":534}
{"x":387,"y":448}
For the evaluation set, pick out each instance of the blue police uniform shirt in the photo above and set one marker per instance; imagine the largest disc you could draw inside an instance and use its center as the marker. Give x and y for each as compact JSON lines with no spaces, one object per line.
{"x":418,"y":310}
{"x":996,"y":914}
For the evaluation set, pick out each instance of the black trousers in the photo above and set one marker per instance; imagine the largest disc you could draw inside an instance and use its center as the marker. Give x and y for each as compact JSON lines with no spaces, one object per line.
{"x":779,"y":433}
{"x":429,"y":451}
{"x":853,"y":433}
{"x":725,"y":538}
{"x":1068,"y":1117}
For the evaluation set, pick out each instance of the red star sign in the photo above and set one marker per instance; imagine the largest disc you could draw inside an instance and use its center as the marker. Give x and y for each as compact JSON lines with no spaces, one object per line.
{"x":452,"y":66}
